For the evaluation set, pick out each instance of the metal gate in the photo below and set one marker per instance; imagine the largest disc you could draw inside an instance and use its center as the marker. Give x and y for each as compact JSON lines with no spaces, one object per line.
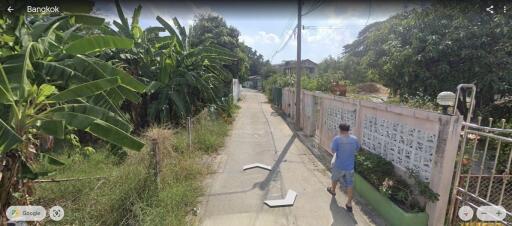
{"x":482,"y":176}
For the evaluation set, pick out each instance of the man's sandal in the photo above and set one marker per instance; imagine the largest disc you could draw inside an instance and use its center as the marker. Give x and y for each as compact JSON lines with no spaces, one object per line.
{"x":349,"y":208}
{"x":331,"y":191}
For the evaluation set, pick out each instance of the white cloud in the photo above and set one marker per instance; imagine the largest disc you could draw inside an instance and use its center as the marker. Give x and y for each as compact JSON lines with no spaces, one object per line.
{"x":268,"y":37}
{"x":332,"y":37}
{"x":261,"y":37}
{"x":248,"y":40}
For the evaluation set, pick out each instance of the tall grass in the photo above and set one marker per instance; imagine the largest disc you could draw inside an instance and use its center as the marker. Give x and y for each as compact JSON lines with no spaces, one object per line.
{"x":129,"y":194}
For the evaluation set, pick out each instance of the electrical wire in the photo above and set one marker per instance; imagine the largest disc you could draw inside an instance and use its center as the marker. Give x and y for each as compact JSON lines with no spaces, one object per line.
{"x":287,"y":27}
{"x":284,"y":44}
{"x":369,"y":12}
{"x":314,"y":7}
{"x":322,"y":27}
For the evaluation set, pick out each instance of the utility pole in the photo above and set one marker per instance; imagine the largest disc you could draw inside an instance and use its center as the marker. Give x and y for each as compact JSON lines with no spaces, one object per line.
{"x":298,"y":67}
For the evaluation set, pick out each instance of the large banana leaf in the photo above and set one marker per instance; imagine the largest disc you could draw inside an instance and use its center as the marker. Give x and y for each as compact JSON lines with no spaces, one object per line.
{"x":18,"y":68}
{"x":124,"y":22}
{"x":220,"y":71}
{"x":85,"y":66}
{"x":46,"y":27}
{"x":129,"y":94}
{"x":171,"y":31}
{"x":123,"y":30}
{"x":126,"y":79}
{"x":179,"y":101}
{"x":136,"y":30}
{"x":100,"y":129}
{"x":88,"y":19}
{"x":115,"y":96}
{"x":103,"y":101}
{"x":130,"y":87}
{"x":8,"y":138}
{"x":66,"y":34}
{"x":107,"y":30}
{"x":99,"y":42}
{"x":53,"y":128}
{"x":101,"y":69}
{"x":96,"y":112}
{"x":6,"y":96}
{"x":57,"y":72}
{"x":40,"y":28}
{"x":86,"y":89}
{"x":181,"y":29}
{"x":50,"y":159}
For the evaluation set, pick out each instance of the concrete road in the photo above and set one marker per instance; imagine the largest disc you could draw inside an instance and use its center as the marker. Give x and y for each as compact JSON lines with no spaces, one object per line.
{"x":235,"y":197}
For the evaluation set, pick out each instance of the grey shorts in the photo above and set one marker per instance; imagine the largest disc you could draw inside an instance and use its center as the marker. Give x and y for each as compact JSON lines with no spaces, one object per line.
{"x":345,"y":177}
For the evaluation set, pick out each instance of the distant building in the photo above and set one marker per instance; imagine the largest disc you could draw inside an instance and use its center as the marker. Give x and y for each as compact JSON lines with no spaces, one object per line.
{"x":289,"y":67}
{"x":254,"y":82}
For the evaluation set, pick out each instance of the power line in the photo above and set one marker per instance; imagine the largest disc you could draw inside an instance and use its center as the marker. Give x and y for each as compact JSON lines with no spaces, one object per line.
{"x":284,"y":44}
{"x":314,"y":7}
{"x":322,"y":27}
{"x":369,"y":12}
{"x":287,"y":27}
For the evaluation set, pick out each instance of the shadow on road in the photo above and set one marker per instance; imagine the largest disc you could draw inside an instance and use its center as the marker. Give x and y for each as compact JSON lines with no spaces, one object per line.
{"x":340,"y":216}
{"x":265,"y":183}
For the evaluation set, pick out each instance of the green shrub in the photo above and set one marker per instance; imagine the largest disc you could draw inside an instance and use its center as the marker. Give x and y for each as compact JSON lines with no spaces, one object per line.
{"x":380,"y":173}
{"x":499,"y":110}
{"x":373,"y":168}
{"x":276,"y":80}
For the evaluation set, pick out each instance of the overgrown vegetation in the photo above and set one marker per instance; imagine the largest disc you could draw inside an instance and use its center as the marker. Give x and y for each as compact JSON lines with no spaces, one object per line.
{"x":69,"y":79}
{"x":380,"y":173}
{"x":128,"y":194}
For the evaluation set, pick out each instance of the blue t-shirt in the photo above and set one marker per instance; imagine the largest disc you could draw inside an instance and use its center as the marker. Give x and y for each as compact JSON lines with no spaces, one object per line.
{"x":345,"y":148}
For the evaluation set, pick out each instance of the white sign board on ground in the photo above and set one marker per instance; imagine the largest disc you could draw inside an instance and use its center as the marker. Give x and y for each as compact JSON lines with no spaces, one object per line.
{"x":289,"y":200}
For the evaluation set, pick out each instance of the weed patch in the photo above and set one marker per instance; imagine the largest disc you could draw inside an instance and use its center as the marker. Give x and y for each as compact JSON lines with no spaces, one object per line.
{"x":128,"y":195}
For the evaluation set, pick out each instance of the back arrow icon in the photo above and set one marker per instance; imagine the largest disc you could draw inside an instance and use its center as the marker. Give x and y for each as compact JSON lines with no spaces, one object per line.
{"x":10,"y":9}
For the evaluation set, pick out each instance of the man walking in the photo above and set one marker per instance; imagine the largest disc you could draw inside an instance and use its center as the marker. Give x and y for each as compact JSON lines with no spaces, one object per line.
{"x":345,"y":146}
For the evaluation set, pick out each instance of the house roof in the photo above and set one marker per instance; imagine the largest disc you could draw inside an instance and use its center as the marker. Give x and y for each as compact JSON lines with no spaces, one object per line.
{"x":293,"y":62}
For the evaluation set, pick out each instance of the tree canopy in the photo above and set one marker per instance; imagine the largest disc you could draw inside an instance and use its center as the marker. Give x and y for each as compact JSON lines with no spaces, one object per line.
{"x":434,"y":49}
{"x":258,"y":66}
{"x":212,"y":29}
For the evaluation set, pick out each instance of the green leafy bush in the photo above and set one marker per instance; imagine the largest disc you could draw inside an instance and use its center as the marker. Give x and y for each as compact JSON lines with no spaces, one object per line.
{"x":276,"y":80}
{"x":380,"y":173}
{"x":373,"y":168}
{"x":498,"y":110}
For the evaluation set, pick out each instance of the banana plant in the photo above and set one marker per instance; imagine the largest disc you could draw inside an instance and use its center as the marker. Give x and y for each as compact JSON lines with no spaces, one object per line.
{"x":189,"y":79}
{"x":181,"y":80}
{"x":55,"y":82}
{"x":43,"y":110}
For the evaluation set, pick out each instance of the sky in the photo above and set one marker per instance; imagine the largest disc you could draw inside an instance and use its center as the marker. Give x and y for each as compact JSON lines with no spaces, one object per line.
{"x":266,"y":25}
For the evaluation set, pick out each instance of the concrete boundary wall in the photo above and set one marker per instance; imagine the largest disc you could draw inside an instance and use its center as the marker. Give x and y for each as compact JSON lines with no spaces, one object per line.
{"x":411,"y":139}
{"x":236,"y":90}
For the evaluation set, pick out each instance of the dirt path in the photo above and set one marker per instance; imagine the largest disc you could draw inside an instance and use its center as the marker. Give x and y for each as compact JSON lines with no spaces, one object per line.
{"x":235,"y":197}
